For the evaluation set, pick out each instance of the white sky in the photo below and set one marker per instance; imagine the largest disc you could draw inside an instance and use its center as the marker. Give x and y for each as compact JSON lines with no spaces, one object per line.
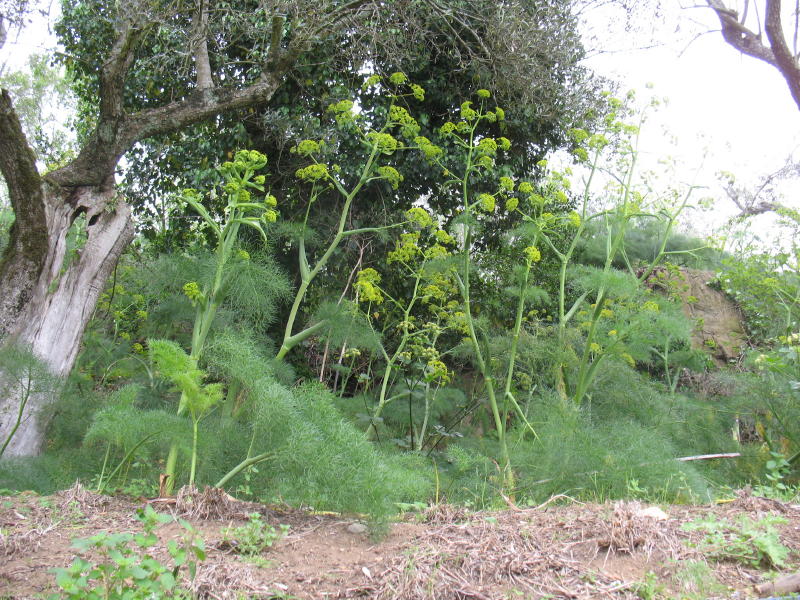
{"x":725,"y":111}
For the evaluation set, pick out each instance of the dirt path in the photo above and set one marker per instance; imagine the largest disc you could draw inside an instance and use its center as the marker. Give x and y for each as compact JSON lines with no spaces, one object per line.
{"x":568,"y":550}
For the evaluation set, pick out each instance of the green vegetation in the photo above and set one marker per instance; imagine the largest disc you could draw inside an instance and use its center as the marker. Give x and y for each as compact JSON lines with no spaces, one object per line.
{"x":407,"y":304}
{"x":122,"y":566}
{"x":575,"y":388}
{"x":751,"y":542}
{"x":252,"y":538}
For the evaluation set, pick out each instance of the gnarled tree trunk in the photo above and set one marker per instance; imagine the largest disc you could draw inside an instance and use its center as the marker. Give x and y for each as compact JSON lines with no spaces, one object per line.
{"x":52,"y":319}
{"x":47,"y":297}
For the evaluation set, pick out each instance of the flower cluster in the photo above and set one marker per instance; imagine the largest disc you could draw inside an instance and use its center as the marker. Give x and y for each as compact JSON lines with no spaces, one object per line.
{"x":420,"y":217}
{"x":398,"y":78}
{"x":406,"y":248}
{"x":243,"y":160}
{"x":533,"y":254}
{"x":192,"y":291}
{"x":391,"y":175}
{"x":650,"y":306}
{"x":384,"y":142}
{"x":342,"y":112}
{"x":308,"y":147}
{"x":436,"y":372}
{"x":371,"y":81}
{"x":467,"y":112}
{"x":429,"y":150}
{"x":367,"y":286}
{"x":506,"y":184}
{"x":444,"y":238}
{"x":400,"y":117}
{"x":313,"y":172}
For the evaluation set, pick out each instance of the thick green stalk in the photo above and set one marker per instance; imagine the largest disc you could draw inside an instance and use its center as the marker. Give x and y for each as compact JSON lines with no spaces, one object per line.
{"x":231,"y":397}
{"x":241,"y":467}
{"x":390,"y":361}
{"x":464,"y":288}
{"x":204,"y":318}
{"x":307,"y":273}
{"x":613,"y":245}
{"x":22,"y":403}
{"x":422,"y":430}
{"x":512,"y":355}
{"x":564,"y":259}
{"x":103,"y":469}
{"x":194,"y":452}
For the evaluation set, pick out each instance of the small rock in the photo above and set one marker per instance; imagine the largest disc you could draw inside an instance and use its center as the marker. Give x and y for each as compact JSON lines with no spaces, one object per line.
{"x":652,"y":512}
{"x":357,"y":528}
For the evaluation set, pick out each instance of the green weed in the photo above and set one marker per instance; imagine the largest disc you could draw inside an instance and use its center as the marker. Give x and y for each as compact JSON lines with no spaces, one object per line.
{"x":695,"y":580}
{"x":755,"y":543}
{"x":650,"y":588}
{"x":254,"y":537}
{"x":126,"y":568}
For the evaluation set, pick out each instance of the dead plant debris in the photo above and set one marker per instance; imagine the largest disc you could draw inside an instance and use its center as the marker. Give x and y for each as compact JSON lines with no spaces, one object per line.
{"x":578,"y":551}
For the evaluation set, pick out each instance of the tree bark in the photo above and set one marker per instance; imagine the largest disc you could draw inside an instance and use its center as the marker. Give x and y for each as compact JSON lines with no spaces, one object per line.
{"x":59,"y":305}
{"x":47,"y":297}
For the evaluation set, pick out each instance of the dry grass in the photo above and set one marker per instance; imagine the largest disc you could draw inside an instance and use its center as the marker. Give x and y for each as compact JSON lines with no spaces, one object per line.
{"x":224,"y":581}
{"x":79,"y":499}
{"x":627,"y":531}
{"x":576,"y":551}
{"x":210,"y":504}
{"x":513,"y":551}
{"x":745,"y":500}
{"x":440,"y":514}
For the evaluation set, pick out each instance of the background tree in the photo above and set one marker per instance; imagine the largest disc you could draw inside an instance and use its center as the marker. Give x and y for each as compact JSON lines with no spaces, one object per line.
{"x":545,"y":93}
{"x":219,"y":58}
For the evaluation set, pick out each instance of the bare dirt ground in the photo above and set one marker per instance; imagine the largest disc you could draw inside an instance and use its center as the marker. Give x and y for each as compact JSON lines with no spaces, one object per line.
{"x":562,"y":549}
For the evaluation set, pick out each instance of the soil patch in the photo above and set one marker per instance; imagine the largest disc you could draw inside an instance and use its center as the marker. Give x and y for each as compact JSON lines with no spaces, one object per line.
{"x":571,"y":550}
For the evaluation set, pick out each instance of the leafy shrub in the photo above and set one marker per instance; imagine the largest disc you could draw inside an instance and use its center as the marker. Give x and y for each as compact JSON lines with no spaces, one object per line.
{"x":766,"y":288}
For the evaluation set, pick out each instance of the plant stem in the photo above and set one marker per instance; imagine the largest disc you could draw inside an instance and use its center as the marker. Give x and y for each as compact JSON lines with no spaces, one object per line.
{"x":194,"y":452}
{"x":308,"y":274}
{"x":22,"y":404}
{"x":242,"y":466}
{"x":464,"y":287}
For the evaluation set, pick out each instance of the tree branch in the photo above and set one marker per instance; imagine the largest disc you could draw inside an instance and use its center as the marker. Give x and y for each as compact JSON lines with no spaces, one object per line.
{"x":18,"y":162}
{"x":274,"y":53}
{"x":3,"y":31}
{"x":777,"y":54}
{"x":25,"y":255}
{"x":117,"y":130}
{"x":739,"y":36}
{"x":784,"y":59}
{"x":175,"y":115}
{"x":202,"y":64}
{"x":112,"y":78}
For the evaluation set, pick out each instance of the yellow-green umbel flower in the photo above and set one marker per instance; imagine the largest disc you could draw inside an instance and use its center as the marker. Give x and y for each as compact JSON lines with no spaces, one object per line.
{"x":533,"y":254}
